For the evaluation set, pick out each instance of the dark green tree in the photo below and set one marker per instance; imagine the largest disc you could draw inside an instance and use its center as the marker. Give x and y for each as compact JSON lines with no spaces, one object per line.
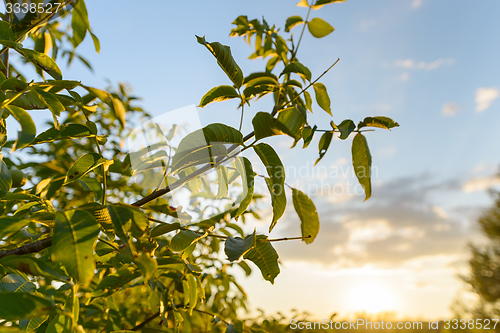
{"x":484,"y":266}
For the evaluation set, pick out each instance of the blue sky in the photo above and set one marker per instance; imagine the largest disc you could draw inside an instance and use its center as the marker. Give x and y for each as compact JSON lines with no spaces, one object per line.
{"x":432,"y":65}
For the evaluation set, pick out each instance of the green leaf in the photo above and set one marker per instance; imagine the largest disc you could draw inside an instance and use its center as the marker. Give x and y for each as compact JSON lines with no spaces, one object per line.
{"x":70,"y":131}
{"x":17,"y":305}
{"x":10,"y":225}
{"x":146,"y":264}
{"x":28,"y":129}
{"x":52,"y":103}
{"x":293,"y":120}
{"x":32,"y":266}
{"x":278,"y":200}
{"x":43,"y":61}
{"x":97,"y":44}
{"x":119,"y":110}
{"x":379,"y":121}
{"x":276,"y":180}
{"x":35,"y":323}
{"x":265,"y":257}
{"x":306,"y":210}
{"x":5,"y":181}
{"x":79,"y":23}
{"x":319,"y":28}
{"x":271,"y":161}
{"x":75,"y":235}
{"x":362,"y":162}
{"x":184,"y":239}
{"x":118,"y":279}
{"x":84,"y":165}
{"x":307,"y":135}
{"x":234,"y":248}
{"x":222,"y":182}
{"x":13,"y":84}
{"x":265,"y":125}
{"x":245,"y":169}
{"x":203,"y":145}
{"x":218,"y":94}
{"x":164,"y":228}
{"x":320,"y":3}
{"x":308,"y":99}
{"x":225,"y":60}
{"x":292,"y":22}
{"x":190,"y":288}
{"x":303,"y":3}
{"x":346,"y":127}
{"x":65,"y":84}
{"x":60,"y":324}
{"x":324,"y":144}
{"x":322,"y":97}
{"x":298,"y":68}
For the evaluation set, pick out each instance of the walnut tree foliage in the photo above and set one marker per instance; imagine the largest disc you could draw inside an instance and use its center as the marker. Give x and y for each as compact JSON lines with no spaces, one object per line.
{"x":88,"y":247}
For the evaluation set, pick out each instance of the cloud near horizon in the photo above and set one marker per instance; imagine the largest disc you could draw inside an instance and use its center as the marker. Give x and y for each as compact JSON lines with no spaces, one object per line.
{"x":484,"y":98}
{"x":399,"y":225}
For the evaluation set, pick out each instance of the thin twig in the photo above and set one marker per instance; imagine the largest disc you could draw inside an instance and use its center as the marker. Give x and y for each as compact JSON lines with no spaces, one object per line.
{"x":145,"y":322}
{"x":301,"y":34}
{"x":34,"y":247}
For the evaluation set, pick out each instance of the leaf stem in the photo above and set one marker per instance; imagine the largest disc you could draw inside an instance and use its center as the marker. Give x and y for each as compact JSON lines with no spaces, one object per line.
{"x":301,"y":34}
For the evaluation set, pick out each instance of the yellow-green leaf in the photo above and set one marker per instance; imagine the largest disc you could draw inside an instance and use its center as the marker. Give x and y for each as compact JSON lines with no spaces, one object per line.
{"x":306,"y":210}
{"x":362,"y":162}
{"x":319,"y":28}
{"x":218,"y":94}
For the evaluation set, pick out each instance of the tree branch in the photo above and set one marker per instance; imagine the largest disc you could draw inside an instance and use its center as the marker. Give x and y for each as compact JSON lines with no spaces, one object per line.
{"x":34,"y":247}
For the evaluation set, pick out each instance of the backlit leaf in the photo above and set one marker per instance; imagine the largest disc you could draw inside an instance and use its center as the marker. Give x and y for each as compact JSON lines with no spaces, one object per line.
{"x":320,"y":3}
{"x":5,"y":181}
{"x":225,"y":60}
{"x":43,"y":61}
{"x":379,"y":121}
{"x":28,"y":129}
{"x":292,"y":22}
{"x":245,"y":169}
{"x":265,"y":257}
{"x":17,"y":305}
{"x":324,"y":144}
{"x":346,"y":127}
{"x":84,"y":165}
{"x":218,"y":94}
{"x":184,"y":239}
{"x":319,"y":28}
{"x":234,"y":248}
{"x":75,"y":235}
{"x":322,"y":97}
{"x":306,"y":210}
{"x":362,"y":161}
{"x":298,"y":68}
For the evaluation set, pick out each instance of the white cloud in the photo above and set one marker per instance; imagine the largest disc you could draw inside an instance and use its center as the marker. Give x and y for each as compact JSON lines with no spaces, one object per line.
{"x":404,"y":76}
{"x":484,"y":98}
{"x":450,"y":109}
{"x":422,"y":65}
{"x":416,"y":4}
{"x":480,"y":184}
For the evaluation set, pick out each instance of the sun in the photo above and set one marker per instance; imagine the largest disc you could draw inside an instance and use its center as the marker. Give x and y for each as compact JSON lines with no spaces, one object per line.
{"x":371,"y":297}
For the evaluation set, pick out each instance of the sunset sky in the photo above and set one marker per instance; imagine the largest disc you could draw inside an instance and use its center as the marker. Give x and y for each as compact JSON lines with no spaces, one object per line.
{"x":431,"y":65}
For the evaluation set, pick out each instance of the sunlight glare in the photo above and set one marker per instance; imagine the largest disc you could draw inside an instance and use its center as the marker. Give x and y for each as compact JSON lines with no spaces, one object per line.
{"x":372,"y":297}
